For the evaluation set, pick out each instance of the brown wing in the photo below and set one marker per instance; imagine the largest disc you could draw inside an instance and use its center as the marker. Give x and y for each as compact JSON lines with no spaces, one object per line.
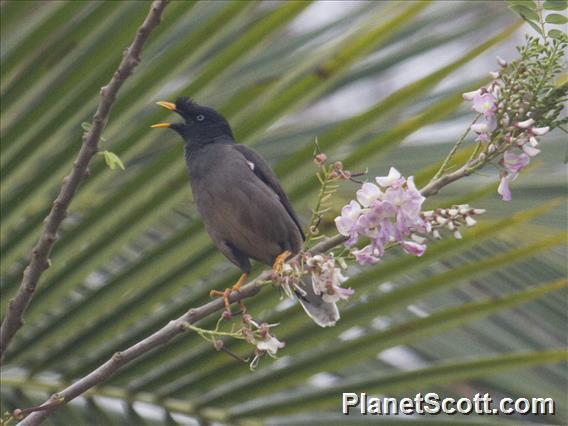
{"x":267,"y":175}
{"x":241,"y":211}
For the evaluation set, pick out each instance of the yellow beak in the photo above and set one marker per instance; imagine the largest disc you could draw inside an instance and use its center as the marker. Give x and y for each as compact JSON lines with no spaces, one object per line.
{"x":160,"y":126}
{"x":169,"y":105}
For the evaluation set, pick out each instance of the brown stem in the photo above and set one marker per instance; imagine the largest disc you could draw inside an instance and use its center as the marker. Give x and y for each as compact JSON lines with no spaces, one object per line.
{"x":161,"y":337}
{"x":179,"y":325}
{"x":39,"y":259}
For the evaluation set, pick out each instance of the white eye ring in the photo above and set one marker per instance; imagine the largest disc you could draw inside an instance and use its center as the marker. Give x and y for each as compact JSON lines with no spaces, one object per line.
{"x":200,"y":117}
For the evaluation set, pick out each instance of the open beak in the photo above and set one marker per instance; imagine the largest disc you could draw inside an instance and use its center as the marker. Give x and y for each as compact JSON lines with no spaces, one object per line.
{"x":168,"y":105}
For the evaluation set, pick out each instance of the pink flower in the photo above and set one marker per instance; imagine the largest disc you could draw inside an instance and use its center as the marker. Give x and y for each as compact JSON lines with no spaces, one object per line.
{"x":385,"y":217}
{"x":484,"y":104}
{"x":503,"y":188}
{"x":514,"y":163}
{"x":347,"y":223}
{"x":367,"y":255}
{"x":368,"y":193}
{"x":412,"y":247}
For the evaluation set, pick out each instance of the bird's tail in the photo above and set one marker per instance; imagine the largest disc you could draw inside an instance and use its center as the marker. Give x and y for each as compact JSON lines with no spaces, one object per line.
{"x":324,"y":314}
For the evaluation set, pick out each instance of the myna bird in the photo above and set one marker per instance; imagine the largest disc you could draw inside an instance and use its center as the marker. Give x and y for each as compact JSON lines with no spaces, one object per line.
{"x":242,"y":204}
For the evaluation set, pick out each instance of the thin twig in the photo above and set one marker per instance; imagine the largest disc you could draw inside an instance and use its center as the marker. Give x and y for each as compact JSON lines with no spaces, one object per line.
{"x":161,"y":337}
{"x":39,"y":259}
{"x":454,"y":149}
{"x":180,"y":325}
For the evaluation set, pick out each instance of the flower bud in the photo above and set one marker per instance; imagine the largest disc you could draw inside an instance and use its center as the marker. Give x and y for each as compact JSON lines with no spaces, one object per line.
{"x":457,"y":235}
{"x":468,"y":96}
{"x":540,"y":131}
{"x":491,"y":148}
{"x":502,"y":62}
{"x":320,"y":159}
{"x":469,"y":221}
{"x":480,"y":127}
{"x":494,"y":75}
{"x":525,"y":124}
{"x":482,"y":156}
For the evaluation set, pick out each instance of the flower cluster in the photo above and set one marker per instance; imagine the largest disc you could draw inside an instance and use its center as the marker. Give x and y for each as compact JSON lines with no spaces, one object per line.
{"x":451,"y":219}
{"x":519,"y":140}
{"x":259,"y":336}
{"x":327,"y":278}
{"x":386,"y":213}
{"x":518,"y":106}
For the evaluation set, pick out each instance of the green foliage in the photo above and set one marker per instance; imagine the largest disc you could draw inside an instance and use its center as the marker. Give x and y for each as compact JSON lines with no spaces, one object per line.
{"x":133,"y":254}
{"x":538,"y":12}
{"x":112,"y":160}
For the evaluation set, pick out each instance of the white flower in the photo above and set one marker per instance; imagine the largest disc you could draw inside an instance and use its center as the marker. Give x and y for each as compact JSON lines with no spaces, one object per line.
{"x":525,"y":124}
{"x":530,"y":150}
{"x":271,"y":345}
{"x":392,"y":178}
{"x":470,"y":221}
{"x":468,"y":96}
{"x":368,"y":193}
{"x":480,"y":127}
{"x":540,"y":131}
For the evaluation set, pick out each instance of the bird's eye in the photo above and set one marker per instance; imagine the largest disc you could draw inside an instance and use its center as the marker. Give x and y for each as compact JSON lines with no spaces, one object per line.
{"x":200,"y":117}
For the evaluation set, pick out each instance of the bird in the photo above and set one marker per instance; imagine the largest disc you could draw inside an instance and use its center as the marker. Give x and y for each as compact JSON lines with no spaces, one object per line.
{"x":242,"y":204}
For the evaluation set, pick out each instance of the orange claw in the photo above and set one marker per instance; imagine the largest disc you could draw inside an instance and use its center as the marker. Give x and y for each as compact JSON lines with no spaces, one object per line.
{"x":227,"y":292}
{"x":279,"y":261}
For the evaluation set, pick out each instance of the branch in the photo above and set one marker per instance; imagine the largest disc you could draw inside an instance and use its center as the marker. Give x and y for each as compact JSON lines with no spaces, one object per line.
{"x":159,"y":338}
{"x":39,"y":261}
{"x":179,"y":325}
{"x":434,"y":186}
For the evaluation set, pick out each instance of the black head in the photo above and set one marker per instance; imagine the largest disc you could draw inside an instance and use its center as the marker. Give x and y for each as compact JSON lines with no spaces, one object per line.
{"x":201,"y":124}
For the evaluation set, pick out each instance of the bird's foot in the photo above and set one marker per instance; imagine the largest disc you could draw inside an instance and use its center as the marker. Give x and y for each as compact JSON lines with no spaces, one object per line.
{"x":279,"y":262}
{"x":227,"y":292}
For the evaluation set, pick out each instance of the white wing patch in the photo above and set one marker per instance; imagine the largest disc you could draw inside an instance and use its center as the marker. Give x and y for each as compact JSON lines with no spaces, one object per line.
{"x":251,"y":165}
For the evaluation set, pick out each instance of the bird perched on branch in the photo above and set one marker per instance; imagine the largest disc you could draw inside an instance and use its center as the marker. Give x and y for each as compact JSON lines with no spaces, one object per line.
{"x":240,"y":200}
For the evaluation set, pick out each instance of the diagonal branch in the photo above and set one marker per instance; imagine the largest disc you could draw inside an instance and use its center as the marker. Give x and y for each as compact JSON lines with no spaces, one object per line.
{"x":159,"y":338}
{"x":39,"y":259}
{"x":177,"y":326}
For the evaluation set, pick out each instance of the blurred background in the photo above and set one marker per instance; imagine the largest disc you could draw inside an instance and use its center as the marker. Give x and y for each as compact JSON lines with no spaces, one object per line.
{"x":379,"y":84}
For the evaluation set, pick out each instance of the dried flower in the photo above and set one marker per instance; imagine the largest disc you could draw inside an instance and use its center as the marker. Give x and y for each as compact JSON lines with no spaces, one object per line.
{"x":327,"y":278}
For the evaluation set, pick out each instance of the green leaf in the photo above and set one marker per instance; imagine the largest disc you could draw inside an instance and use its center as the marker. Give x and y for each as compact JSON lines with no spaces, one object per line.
{"x":529,"y":4}
{"x":526,"y":13}
{"x":555,"y":4}
{"x":558,"y":35}
{"x":556,"y":18}
{"x":112,"y":160}
{"x":440,"y":374}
